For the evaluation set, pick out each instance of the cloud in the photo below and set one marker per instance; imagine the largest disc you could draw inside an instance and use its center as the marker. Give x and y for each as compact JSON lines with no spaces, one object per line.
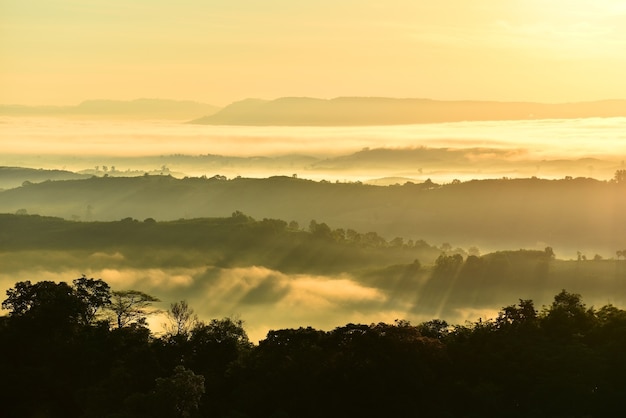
{"x":102,"y":256}
{"x":328,"y":293}
{"x":237,"y":287}
{"x":266,"y":299}
{"x":568,"y":40}
{"x":162,"y":279}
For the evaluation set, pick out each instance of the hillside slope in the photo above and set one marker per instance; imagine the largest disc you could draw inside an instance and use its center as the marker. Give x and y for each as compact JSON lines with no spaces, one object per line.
{"x":570,"y":215}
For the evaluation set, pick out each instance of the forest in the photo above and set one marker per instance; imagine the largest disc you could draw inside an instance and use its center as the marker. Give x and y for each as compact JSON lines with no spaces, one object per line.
{"x":90,"y":354}
{"x":286,"y":297}
{"x":306,"y":209}
{"x":207,"y":256}
{"x":571,"y":214}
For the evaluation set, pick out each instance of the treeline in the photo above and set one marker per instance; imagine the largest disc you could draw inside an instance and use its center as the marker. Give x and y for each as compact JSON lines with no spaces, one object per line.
{"x":513,"y":213}
{"x":66,"y":353}
{"x":238,"y":240}
{"x":24,"y":230}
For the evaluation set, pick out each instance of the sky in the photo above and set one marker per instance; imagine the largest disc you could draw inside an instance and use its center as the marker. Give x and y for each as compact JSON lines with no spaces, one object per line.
{"x":61,"y":52}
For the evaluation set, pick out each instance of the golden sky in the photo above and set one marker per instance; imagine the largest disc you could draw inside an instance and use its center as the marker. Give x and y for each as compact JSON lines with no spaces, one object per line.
{"x":219,"y":51}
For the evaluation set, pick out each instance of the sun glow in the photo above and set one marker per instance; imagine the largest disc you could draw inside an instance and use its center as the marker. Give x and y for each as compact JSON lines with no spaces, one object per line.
{"x":57,"y":52}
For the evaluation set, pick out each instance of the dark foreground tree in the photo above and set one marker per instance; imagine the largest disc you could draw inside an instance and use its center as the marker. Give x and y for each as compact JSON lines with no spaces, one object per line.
{"x":58,"y":304}
{"x":95,"y":295}
{"x":565,"y":361}
{"x":180,"y":393}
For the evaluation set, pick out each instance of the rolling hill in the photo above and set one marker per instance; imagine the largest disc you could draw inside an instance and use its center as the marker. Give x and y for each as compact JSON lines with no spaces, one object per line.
{"x":570,"y":215}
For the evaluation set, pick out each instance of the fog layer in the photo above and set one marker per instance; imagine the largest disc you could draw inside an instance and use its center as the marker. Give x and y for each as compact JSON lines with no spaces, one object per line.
{"x":513,"y":148}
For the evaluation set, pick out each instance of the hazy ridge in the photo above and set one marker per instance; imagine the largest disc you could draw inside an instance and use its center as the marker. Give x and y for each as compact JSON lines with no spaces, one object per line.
{"x":570,"y":214}
{"x":11,"y":177}
{"x":340,"y":111}
{"x":345,"y":111}
{"x":381,"y":166}
{"x":139,"y":108}
{"x":259,"y":265}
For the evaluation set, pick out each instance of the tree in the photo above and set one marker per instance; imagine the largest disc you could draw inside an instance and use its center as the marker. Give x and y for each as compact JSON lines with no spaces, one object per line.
{"x":180,"y":393}
{"x":94,"y":295}
{"x":428,"y":184}
{"x":523,"y":313}
{"x":397,"y":242}
{"x":620,"y":176}
{"x":216,"y":344}
{"x":131,"y":306}
{"x":567,"y":315}
{"x":339,"y":235}
{"x":446,"y":247}
{"x":448,"y":263}
{"x":181,"y":319}
{"x":213,"y":350}
{"x":320,"y":230}
{"x":79,"y":303}
{"x":20,"y":298}
{"x":220,"y":331}
{"x":44,"y":300}
{"x":372,"y":239}
{"x":239,"y":216}
{"x":353,"y":236}
{"x":435,"y":328}
{"x":570,"y":304}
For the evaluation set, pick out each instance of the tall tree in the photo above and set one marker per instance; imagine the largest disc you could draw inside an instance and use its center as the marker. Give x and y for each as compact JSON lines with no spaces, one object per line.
{"x":131,"y":306}
{"x":620,"y":176}
{"x":181,"y":319}
{"x":94,"y":295}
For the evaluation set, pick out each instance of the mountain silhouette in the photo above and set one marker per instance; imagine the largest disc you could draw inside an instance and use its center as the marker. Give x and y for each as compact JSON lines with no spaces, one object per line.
{"x":139,"y":108}
{"x":348,"y":111}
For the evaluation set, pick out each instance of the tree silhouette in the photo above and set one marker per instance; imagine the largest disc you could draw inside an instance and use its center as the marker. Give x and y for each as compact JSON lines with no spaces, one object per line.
{"x":46,"y":302}
{"x":131,"y":306}
{"x":180,"y":393}
{"x":567,"y":315}
{"x":94,"y":294}
{"x":181,"y":319}
{"x":620,"y":176}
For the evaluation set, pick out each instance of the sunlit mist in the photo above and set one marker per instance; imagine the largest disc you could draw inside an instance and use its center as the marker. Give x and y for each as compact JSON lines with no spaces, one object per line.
{"x":520,"y":148}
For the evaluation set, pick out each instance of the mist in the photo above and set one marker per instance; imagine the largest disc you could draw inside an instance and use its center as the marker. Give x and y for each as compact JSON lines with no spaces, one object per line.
{"x":268,"y":299}
{"x":550,"y":148}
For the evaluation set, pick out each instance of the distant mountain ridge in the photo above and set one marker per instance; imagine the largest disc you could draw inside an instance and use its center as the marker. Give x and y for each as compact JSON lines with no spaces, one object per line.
{"x":340,"y":111}
{"x":139,"y":108}
{"x":355,"y":111}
